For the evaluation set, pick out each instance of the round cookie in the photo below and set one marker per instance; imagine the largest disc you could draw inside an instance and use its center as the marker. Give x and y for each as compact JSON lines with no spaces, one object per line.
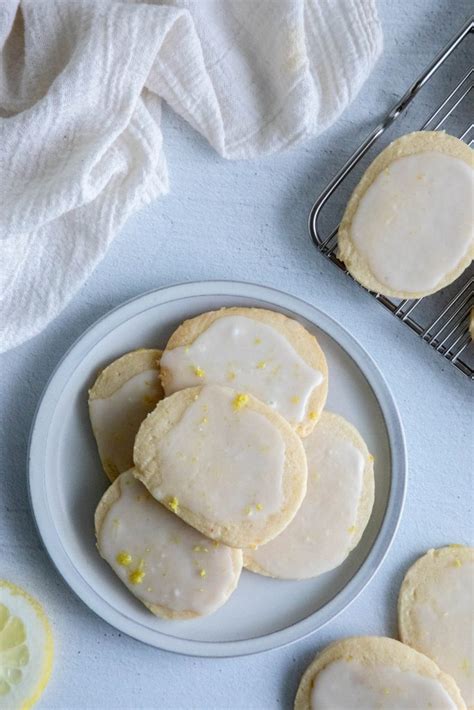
{"x":171,"y":568}
{"x":121,"y":397}
{"x":334,"y":512}
{"x":251,"y":350}
{"x":375,"y":673}
{"x":408,"y":229}
{"x":436,"y":615}
{"x":223,"y":461}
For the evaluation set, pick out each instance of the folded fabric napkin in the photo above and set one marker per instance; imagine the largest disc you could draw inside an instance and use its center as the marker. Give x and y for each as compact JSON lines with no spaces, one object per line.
{"x":81,"y":84}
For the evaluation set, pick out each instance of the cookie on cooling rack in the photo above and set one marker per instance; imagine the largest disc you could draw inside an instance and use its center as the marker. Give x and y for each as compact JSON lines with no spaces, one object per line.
{"x":121,"y":397}
{"x":408,"y":228}
{"x":435,"y":612}
{"x":334,"y":512}
{"x":224,"y":462}
{"x":251,"y":350}
{"x":373,"y":672}
{"x":171,"y":568}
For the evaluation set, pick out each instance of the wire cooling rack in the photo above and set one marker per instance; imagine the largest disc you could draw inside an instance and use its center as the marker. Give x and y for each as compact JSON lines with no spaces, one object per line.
{"x":442,"y":320}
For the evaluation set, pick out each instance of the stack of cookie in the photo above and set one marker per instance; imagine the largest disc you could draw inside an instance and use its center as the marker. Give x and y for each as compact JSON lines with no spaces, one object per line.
{"x":221,"y":456}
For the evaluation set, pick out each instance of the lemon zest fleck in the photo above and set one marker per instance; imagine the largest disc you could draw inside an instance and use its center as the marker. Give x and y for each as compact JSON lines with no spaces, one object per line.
{"x":261,"y":365}
{"x":257,"y":341}
{"x":231,"y":375}
{"x":240,"y":401}
{"x":173,"y":504}
{"x":124,"y":558}
{"x":259,"y":506}
{"x":197,"y":548}
{"x":136,"y":577}
{"x":313,"y":416}
{"x":199,"y":372}
{"x":457,"y":562}
{"x":295,"y":399}
{"x":202,"y":572}
{"x":352,"y":529}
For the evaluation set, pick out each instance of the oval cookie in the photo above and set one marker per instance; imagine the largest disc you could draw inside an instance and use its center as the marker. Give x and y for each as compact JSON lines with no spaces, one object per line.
{"x":408,"y":228}
{"x":436,"y":612}
{"x":121,"y":397}
{"x":375,"y":673}
{"x":251,"y":350}
{"x":334,"y":512}
{"x":171,"y":568}
{"x":223,"y":461}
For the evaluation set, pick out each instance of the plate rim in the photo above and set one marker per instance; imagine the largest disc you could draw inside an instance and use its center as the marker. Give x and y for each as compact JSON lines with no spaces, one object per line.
{"x":51,"y":539}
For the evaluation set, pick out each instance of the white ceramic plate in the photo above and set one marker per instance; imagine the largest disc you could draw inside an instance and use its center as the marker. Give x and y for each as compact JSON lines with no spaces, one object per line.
{"x":66,"y":479}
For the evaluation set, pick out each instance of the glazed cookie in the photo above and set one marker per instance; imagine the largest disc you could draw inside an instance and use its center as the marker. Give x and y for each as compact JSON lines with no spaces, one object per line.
{"x":334,"y":512}
{"x":251,"y":350}
{"x":170,"y":567}
{"x":436,"y":614}
{"x":224,"y":462}
{"x":121,"y":397}
{"x":375,"y":673}
{"x":408,"y":228}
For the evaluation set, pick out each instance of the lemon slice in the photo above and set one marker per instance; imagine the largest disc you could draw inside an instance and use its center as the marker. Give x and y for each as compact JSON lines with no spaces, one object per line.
{"x":26,"y":648}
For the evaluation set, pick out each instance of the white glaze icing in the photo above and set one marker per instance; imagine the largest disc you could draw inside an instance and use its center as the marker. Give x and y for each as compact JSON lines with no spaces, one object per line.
{"x":348,"y":685}
{"x":249,"y":356}
{"x":172,"y":552}
{"x":222,"y":463}
{"x":414,"y":224}
{"x":444,"y":621}
{"x":319,"y":536}
{"x":116,"y":419}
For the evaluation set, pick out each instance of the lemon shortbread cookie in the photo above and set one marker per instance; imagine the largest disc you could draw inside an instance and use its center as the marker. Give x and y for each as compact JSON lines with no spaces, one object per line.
{"x":223,"y":461}
{"x":26,"y":648}
{"x":408,"y":228}
{"x":334,"y":512}
{"x":123,"y":394}
{"x":375,"y":673}
{"x":170,"y":567}
{"x":252,"y":350}
{"x":436,"y":612}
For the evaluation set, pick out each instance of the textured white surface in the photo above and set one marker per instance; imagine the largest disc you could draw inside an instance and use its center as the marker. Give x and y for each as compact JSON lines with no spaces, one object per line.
{"x":248,"y":221}
{"x":82,"y":149}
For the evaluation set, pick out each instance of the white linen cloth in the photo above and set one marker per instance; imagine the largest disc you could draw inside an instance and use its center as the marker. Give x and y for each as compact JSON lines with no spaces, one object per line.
{"x":81,"y":84}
